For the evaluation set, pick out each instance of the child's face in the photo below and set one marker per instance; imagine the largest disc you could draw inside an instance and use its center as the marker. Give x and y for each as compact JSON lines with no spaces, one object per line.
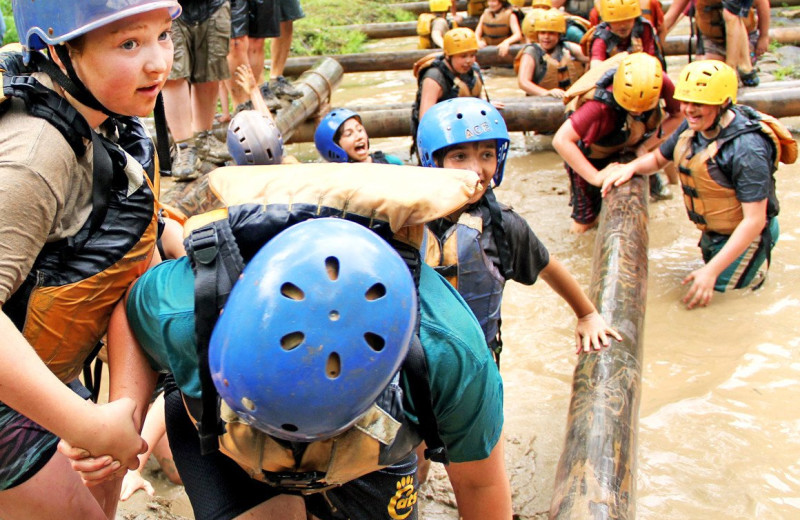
{"x":495,"y":5}
{"x":354,"y":140}
{"x":462,"y":63}
{"x":126,"y":63}
{"x":479,"y":157}
{"x":622,"y":29}
{"x":548,"y":40}
{"x":699,"y":117}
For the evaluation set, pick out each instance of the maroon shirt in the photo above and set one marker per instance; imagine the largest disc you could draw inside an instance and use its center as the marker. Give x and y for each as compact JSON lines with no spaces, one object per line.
{"x":599,"y":51}
{"x":595,"y":119}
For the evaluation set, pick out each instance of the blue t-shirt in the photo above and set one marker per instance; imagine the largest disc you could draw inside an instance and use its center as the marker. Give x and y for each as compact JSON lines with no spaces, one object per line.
{"x":466,"y":388}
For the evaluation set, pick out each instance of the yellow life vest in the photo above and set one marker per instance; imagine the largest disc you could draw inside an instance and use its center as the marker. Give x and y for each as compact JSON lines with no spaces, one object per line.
{"x":709,"y":204}
{"x":496,"y":26}
{"x":459,"y":87}
{"x":553,"y":70}
{"x":424,"y":25}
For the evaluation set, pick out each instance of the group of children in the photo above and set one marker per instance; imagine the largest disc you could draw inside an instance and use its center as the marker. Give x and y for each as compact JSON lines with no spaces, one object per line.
{"x":345,"y":342}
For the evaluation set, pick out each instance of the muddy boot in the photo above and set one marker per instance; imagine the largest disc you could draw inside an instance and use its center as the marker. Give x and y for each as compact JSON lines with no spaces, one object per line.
{"x":281,"y":87}
{"x":185,"y":167}
{"x":269,"y":97}
{"x":658,"y":188}
{"x":211,"y":149}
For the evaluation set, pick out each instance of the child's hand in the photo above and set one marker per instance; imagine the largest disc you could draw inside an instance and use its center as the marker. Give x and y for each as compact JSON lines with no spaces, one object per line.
{"x":615,"y":174}
{"x":499,"y":105}
{"x":702,"y":289}
{"x":133,"y":482}
{"x":502,"y":49}
{"x":592,"y":332}
{"x":244,"y":77}
{"x":556,"y":93}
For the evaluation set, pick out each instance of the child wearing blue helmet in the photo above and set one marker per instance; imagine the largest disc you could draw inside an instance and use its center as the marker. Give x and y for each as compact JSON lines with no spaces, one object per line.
{"x":78,"y":223}
{"x":341,"y":137}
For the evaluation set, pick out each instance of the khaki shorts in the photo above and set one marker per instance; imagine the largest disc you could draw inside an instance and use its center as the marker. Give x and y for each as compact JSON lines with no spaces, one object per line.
{"x":201,"y":50}
{"x":709,"y":46}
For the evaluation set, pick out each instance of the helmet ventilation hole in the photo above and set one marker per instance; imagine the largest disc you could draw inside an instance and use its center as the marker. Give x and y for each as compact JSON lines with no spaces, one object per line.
{"x":333,"y":367}
{"x":292,"y":292}
{"x":332,"y":267}
{"x":375,"y":292}
{"x":334,"y":315}
{"x":374,"y":341}
{"x":292,"y":340}
{"x":289,"y":427}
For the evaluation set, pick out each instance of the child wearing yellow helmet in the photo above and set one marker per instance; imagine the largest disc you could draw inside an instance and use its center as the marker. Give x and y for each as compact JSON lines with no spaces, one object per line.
{"x":651,"y":11}
{"x":499,"y":25}
{"x":550,"y":65}
{"x":445,"y":76}
{"x":727,"y":155}
{"x":619,"y":117}
{"x":623,"y":29}
{"x":432,"y":26}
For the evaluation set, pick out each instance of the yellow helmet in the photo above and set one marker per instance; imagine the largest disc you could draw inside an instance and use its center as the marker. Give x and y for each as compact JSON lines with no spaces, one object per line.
{"x":551,"y":20}
{"x":637,"y":82}
{"x":709,"y":82}
{"x":439,"y":6}
{"x":459,"y":41}
{"x":527,"y":23}
{"x":542,"y":4}
{"x":619,"y":10}
{"x":517,"y":3}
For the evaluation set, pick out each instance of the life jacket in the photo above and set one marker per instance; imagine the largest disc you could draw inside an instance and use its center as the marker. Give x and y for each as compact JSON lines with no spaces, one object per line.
{"x":496,"y":26}
{"x":64,"y":305}
{"x":553,"y":70}
{"x":580,"y":8}
{"x":458,"y":253}
{"x":612,"y":41}
{"x":261,"y":202}
{"x":424,"y":27}
{"x":457,"y":87}
{"x":647,"y":13}
{"x":634,"y":129}
{"x":708,"y":192}
{"x":476,"y":7}
{"x":708,"y":14}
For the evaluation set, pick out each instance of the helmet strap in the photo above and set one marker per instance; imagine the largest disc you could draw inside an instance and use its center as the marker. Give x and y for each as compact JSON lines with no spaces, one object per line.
{"x":724,"y":108}
{"x":70,"y":82}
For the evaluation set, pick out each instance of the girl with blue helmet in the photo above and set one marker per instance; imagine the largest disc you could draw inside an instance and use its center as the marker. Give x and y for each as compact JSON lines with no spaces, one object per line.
{"x":78,"y":224}
{"x":341,"y":137}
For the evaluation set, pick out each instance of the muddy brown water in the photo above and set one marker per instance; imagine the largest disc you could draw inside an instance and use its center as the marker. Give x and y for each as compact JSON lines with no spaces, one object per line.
{"x":719,"y":420}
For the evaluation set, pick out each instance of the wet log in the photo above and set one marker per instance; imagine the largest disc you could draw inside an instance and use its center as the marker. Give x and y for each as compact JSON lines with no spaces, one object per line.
{"x":596,"y":474}
{"x":379,"y":31}
{"x":488,"y":57}
{"x":316,"y":85}
{"x":543,"y":115}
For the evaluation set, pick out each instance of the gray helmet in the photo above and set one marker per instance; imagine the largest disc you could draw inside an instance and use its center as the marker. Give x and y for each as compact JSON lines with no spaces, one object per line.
{"x":253,"y":138}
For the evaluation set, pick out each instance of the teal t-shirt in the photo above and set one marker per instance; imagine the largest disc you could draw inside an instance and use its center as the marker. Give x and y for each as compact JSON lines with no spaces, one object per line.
{"x":466,"y":387}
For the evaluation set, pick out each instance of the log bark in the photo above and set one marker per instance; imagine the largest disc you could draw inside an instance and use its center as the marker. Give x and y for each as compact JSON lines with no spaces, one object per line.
{"x":316,"y":84}
{"x":596,"y":474}
{"x":543,"y":115}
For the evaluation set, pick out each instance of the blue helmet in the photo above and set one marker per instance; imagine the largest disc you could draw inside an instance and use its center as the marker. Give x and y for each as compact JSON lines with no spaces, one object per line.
{"x":462,"y":120}
{"x":253,"y":138}
{"x":44,"y":22}
{"x":323,"y":136}
{"x":314,"y":330}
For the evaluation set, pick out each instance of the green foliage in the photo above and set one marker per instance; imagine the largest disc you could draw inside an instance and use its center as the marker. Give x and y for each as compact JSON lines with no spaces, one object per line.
{"x":11,"y":29}
{"x":317,"y":34}
{"x":787,"y":72}
{"x":774,"y":45}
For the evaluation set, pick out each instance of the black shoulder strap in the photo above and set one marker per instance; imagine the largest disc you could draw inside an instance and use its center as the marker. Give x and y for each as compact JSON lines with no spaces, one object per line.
{"x":217,"y":263}
{"x":503,"y":246}
{"x":415,"y":368}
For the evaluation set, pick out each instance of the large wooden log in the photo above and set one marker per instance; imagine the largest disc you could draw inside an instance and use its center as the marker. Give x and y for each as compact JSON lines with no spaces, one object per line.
{"x":546,"y":114}
{"x":596,"y":474}
{"x":316,"y":85}
{"x":404,"y":60}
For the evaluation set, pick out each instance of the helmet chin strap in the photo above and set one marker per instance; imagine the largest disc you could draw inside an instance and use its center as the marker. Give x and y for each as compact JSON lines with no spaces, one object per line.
{"x":70,"y":82}
{"x":721,"y":112}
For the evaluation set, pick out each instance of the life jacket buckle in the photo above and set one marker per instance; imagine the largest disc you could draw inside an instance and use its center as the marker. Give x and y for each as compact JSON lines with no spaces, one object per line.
{"x":205,"y":245}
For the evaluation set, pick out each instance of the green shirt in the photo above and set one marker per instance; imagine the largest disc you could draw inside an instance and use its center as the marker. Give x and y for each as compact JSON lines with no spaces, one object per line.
{"x":466,"y":387}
